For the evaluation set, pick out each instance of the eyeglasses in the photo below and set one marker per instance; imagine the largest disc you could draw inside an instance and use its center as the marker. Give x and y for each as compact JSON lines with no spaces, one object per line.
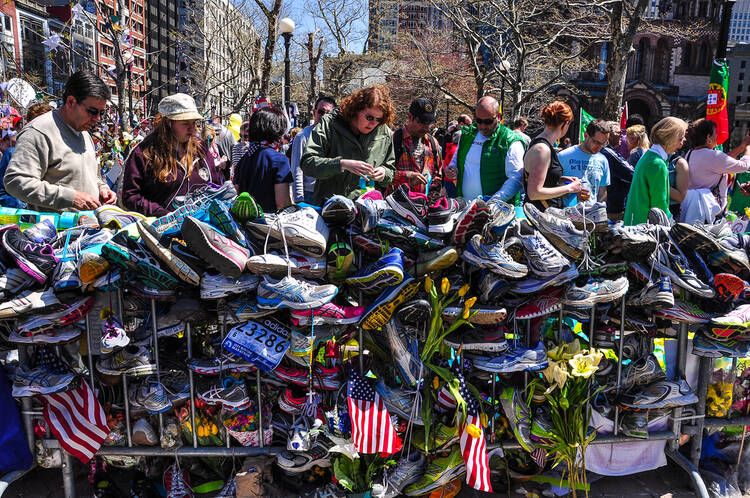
{"x":488,"y":121}
{"x":370,"y":117}
{"x":94,"y":112}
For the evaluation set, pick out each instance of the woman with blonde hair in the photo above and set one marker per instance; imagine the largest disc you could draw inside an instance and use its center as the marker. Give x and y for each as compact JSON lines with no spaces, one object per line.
{"x":350,"y":143}
{"x":650,"y":187}
{"x":638,"y":143}
{"x":170,"y":162}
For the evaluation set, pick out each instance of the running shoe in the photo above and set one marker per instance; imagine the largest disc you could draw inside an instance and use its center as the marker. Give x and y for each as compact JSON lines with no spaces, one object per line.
{"x":439,"y":473}
{"x":111,"y":216}
{"x":702,"y":238}
{"x":519,"y":359}
{"x":728,"y":287}
{"x":704,"y":345}
{"x":531,"y":285}
{"x":428,"y":262}
{"x":338,"y":211}
{"x":402,"y":233}
{"x":240,"y":309}
{"x":560,"y":232}
{"x":43,"y":232}
{"x":441,"y":216}
{"x":304,"y":231}
{"x":31,"y":302}
{"x":542,"y":428}
{"x":225,"y":362}
{"x":659,"y":395}
{"x":339,"y":261}
{"x":684,"y":312}
{"x":405,"y":353}
{"x":244,"y":208}
{"x":275,"y":265}
{"x":493,"y":257}
{"x":296,"y":462}
{"x":65,"y":277}
{"x":519,"y":416}
{"x":217,"y":286}
{"x":408,"y":470}
{"x":589,"y":217}
{"x":441,"y":438}
{"x":595,"y":291}
{"x":399,"y":401}
{"x":734,"y":324}
{"x":292,"y":293}
{"x":481,"y":314}
{"x":220,"y":217}
{"x":233,"y":398}
{"x":542,"y":304}
{"x":657,"y":216}
{"x":369,"y":212}
{"x":654,"y":295}
{"x":40,"y":380}
{"x":635,"y":424}
{"x":669,"y":261}
{"x":478,"y":339}
{"x":641,"y":371}
{"x":179,"y":267}
{"x":542,"y":258}
{"x":221,"y":252}
{"x":152,"y":396}
{"x":502,"y":216}
{"x":323,"y":377}
{"x":380,"y":311}
{"x":329,"y":313}
{"x":290,"y":403}
{"x":15,"y":280}
{"x":415,"y":312}
{"x":412,"y":206}
{"x":385,"y":272}
{"x":492,"y":287}
{"x":182,"y":251}
{"x":471,"y":221}
{"x":91,"y":266}
{"x":37,"y":260}
{"x":631,"y":243}
{"x":113,"y":334}
{"x":131,"y":360}
{"x":49,"y":336}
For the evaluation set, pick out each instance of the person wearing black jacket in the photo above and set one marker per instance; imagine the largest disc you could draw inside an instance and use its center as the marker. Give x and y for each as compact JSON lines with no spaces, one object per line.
{"x":620,"y":175}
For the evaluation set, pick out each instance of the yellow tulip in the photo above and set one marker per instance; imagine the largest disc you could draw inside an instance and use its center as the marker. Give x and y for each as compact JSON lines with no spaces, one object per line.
{"x":483,"y":419}
{"x":427,"y":284}
{"x":463,"y":290}
{"x":435,"y":383}
{"x":470,"y":302}
{"x":465,"y":314}
{"x":445,"y":286}
{"x":473,"y":430}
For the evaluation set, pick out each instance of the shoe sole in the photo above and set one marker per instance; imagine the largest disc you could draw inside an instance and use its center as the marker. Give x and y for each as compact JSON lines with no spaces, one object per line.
{"x":551,"y":309}
{"x":325,"y":320}
{"x":42,"y":339}
{"x":445,"y":259}
{"x":281,"y":303}
{"x":682,"y":400}
{"x":441,"y":481}
{"x":481,"y":316}
{"x":178,"y":266}
{"x":522,"y":366}
{"x":227,"y":291}
{"x":232,"y":368}
{"x":376,"y":317}
{"x":689,"y":236}
{"x":275,"y":241}
{"x":466,"y":225}
{"x":204,"y":249}
{"x":383,"y":277}
{"x":321,"y":462}
{"x":441,"y":228}
{"x":134,"y":371}
{"x":728,"y":285}
{"x":488,"y":347}
{"x":225,"y":404}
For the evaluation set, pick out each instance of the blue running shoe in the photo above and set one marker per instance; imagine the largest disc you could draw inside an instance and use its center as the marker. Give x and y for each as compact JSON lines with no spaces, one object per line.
{"x":381,"y":310}
{"x":516,"y":360}
{"x":502,"y":215}
{"x":493,"y":257}
{"x":385,"y":272}
{"x":369,"y":212}
{"x":595,"y":291}
{"x":292,"y":293}
{"x":704,"y":346}
{"x":339,"y":211}
{"x":171,"y":224}
{"x":405,"y":351}
{"x":533,"y":285}
{"x":220,"y":217}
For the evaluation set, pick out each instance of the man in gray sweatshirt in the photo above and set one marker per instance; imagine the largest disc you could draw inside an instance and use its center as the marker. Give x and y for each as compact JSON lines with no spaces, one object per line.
{"x":54,"y":166}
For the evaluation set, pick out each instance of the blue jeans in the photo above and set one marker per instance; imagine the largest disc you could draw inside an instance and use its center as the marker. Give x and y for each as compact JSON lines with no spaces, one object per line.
{"x":6,"y":200}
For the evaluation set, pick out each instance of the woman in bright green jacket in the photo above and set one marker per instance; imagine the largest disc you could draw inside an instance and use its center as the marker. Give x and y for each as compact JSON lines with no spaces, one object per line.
{"x":650,"y":186}
{"x":350,"y":143}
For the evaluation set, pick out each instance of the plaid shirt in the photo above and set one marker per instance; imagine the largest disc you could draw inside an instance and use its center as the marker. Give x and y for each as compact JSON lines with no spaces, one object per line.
{"x":407,"y":163}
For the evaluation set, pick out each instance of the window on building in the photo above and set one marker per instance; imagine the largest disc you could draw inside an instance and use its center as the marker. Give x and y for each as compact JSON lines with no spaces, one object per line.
{"x":742,"y":64}
{"x":739,"y":87}
{"x":737,"y":99}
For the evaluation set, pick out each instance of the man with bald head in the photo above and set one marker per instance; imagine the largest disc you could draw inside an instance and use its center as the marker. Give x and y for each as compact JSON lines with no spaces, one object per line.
{"x":489,"y":159}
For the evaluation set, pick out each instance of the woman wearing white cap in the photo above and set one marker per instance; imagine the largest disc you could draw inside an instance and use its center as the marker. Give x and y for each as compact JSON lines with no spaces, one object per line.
{"x":170,"y":162}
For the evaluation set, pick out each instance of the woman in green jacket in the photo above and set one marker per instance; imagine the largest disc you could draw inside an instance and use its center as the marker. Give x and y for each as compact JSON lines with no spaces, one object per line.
{"x":650,"y":187}
{"x":350,"y":143}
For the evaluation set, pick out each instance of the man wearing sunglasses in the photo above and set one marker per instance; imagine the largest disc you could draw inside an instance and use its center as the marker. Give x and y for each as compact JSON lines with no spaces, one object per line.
{"x":54,"y":167}
{"x":303,"y":187}
{"x":586,"y":162}
{"x":489,"y":159}
{"x":418,"y":156}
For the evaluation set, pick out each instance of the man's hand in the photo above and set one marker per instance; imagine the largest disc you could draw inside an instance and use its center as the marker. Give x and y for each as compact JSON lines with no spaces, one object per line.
{"x":83,"y":201}
{"x":107,"y":196}
{"x":417,"y":178}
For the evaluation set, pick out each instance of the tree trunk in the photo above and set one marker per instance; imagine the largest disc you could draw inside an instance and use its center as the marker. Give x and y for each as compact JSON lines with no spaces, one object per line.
{"x":313,"y":67}
{"x":272,"y":17}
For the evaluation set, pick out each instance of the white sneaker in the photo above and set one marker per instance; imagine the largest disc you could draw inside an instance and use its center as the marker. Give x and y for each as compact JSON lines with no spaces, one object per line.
{"x":38,"y":302}
{"x":219,"y":285}
{"x":277,"y":266}
{"x":51,"y":336}
{"x":113,"y":335}
{"x":542,"y":258}
{"x":144,"y":434}
{"x":304,"y":230}
{"x":14,"y":281}
{"x":292,"y":293}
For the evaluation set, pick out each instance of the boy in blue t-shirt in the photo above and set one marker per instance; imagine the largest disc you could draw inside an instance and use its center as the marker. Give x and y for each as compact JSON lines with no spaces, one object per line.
{"x":586,"y":162}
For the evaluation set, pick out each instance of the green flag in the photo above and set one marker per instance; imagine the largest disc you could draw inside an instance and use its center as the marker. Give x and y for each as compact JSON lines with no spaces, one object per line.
{"x":585,"y":119}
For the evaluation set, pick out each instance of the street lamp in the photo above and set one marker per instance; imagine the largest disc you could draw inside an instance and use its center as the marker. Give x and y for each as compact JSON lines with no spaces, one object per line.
{"x":504,"y":68}
{"x":220,"y":89}
{"x":286,"y":26}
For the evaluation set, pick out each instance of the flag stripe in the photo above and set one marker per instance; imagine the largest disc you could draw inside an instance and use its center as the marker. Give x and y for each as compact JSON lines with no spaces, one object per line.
{"x":372,"y":430}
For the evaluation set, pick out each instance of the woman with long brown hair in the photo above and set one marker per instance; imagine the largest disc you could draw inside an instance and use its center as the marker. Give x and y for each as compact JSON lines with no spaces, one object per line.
{"x":170,"y":162}
{"x":350,"y":143}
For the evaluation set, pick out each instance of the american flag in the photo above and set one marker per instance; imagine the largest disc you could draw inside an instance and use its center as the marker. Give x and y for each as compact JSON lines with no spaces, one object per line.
{"x":473,"y":449}
{"x":372,"y":430}
{"x":77,"y":420}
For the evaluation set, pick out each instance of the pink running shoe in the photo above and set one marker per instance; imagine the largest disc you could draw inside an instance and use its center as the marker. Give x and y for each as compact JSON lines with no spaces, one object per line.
{"x":544,"y":303}
{"x":375,"y":195}
{"x":323,"y":377}
{"x":328,"y":314}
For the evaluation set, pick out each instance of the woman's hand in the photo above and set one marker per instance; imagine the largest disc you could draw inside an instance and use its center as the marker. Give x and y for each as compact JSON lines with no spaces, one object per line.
{"x":378,"y":174}
{"x":574,"y":185}
{"x":359,"y":168}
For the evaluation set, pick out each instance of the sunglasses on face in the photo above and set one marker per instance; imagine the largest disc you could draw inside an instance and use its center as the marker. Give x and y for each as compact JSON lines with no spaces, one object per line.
{"x":94,"y":112}
{"x":488,"y":121}
{"x":370,"y":117}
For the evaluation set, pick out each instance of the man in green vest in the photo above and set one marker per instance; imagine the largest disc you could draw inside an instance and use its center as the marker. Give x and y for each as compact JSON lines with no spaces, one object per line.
{"x":489,"y":159}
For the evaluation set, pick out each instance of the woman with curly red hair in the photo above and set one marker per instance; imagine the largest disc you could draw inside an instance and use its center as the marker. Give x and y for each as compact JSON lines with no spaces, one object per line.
{"x":542,"y":172}
{"x":350,"y":143}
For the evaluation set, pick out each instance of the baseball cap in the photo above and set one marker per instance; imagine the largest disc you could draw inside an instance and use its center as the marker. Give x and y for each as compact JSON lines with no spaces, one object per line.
{"x":178,"y":107}
{"x":423,"y":109}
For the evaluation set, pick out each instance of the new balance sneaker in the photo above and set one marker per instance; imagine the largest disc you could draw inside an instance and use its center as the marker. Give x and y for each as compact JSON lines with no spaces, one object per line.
{"x":244,"y":208}
{"x":428,"y":262}
{"x":339,"y":211}
{"x":233,"y":398}
{"x":595,"y":291}
{"x":405,"y":352}
{"x":441,"y":216}
{"x":478,"y":339}
{"x":411,"y":206}
{"x":654,"y":295}
{"x":40,"y":380}
{"x":292,"y":293}
{"x":519,"y":359}
{"x":226,"y":362}
{"x":399,"y":401}
{"x":304,"y":231}
{"x":65,"y":277}
{"x":542,"y":258}
{"x":220,"y":217}
{"x":216,"y":286}
{"x":380,"y":311}
{"x":37,"y":260}
{"x":131,"y":360}
{"x":544,"y":303}
{"x":471,"y":221}
{"x":440,"y":472}
{"x":669,"y":261}
{"x":179,"y":267}
{"x":383,"y":273}
{"x":560,"y":232}
{"x":221,"y":252}
{"x":584,"y":216}
{"x":734,"y":324}
{"x":659,"y":395}
{"x":493,"y":257}
{"x":328,"y":314}
{"x":113,"y":335}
